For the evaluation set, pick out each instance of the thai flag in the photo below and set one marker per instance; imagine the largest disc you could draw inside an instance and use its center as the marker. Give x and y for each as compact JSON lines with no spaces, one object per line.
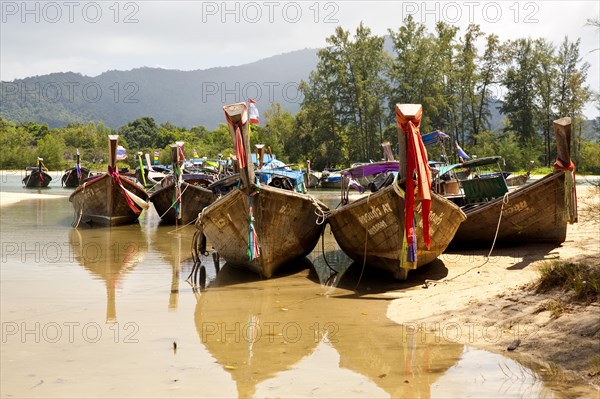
{"x":461,"y":152}
{"x":442,"y":134}
{"x":253,"y":112}
{"x":121,"y":153}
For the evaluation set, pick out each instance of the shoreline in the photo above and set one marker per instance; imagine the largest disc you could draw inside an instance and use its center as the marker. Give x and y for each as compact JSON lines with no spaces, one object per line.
{"x":491,"y":303}
{"x":9,"y":198}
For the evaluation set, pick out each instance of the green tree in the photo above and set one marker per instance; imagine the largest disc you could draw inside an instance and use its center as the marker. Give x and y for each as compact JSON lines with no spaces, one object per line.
{"x":488,"y":76}
{"x":521,"y":92}
{"x":141,"y":133}
{"x":344,"y":99}
{"x":278,"y":130}
{"x":545,"y":77}
{"x":413,"y":50}
{"x":52,"y":149}
{"x":573,"y":92}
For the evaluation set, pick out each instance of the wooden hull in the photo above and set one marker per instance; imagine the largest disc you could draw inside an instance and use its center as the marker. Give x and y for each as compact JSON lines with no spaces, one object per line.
{"x":33,"y":179}
{"x":285,"y":223}
{"x":193,"y":200}
{"x":70,"y":179}
{"x":101,"y":202}
{"x":532,"y":213}
{"x":371,"y":230}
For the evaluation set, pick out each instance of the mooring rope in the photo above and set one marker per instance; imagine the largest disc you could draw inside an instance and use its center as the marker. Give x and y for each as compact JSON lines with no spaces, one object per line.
{"x":487,"y":258}
{"x":174,"y":202}
{"x":320,"y":212}
{"x":365,"y":252}
{"x":504,"y":202}
{"x":181,"y":227}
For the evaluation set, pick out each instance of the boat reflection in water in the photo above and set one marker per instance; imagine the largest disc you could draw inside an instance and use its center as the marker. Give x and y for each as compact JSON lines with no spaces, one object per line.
{"x":174,"y":247}
{"x":109,"y":254}
{"x":284,"y":336}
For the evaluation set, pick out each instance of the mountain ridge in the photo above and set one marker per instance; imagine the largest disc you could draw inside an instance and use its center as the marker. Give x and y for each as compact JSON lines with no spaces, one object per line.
{"x":184,"y":98}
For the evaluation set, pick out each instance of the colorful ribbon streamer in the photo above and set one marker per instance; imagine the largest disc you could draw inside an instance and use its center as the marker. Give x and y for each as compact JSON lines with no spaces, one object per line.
{"x":416,"y":162}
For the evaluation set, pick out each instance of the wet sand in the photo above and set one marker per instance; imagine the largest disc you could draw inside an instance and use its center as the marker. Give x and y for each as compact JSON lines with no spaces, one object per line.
{"x":12,"y":198}
{"x":109,"y":313}
{"x":489,"y":303}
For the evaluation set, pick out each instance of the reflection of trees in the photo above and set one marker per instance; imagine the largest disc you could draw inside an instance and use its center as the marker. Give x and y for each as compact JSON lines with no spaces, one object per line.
{"x":109,"y":254}
{"x":258,"y":329}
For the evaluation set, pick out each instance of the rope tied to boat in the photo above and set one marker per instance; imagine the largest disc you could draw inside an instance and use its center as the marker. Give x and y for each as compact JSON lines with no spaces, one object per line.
{"x":416,"y":163}
{"x":176,"y":201}
{"x":322,"y":214}
{"x":570,"y":188}
{"x":505,"y":201}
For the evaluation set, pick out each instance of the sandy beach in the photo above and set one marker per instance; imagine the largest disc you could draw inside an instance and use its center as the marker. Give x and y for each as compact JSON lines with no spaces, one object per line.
{"x":12,"y":198}
{"x":490,"y":302}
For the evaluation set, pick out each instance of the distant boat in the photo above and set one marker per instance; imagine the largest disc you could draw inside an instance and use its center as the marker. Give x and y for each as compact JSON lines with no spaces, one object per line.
{"x":278,"y":179}
{"x":108,"y":199}
{"x":331,"y":179}
{"x":180,"y":200}
{"x":311,"y":179}
{"x":519,"y":180}
{"x":150,"y":176}
{"x":260,"y":228}
{"x":38,"y":176}
{"x":373,"y":230}
{"x":535,"y":212}
{"x":75,"y":175}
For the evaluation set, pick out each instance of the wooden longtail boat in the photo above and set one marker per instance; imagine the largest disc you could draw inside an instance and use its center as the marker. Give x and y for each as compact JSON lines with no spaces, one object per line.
{"x":37,"y":176}
{"x":331,"y":179}
{"x":372,"y":229}
{"x":180,"y":201}
{"x":536,"y":212}
{"x":519,"y":180}
{"x":108,"y":199}
{"x":311,"y":180}
{"x":74,"y":176}
{"x":259,"y":227}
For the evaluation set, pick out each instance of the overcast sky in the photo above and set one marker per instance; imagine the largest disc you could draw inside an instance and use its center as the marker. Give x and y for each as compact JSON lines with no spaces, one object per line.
{"x":41,"y":37}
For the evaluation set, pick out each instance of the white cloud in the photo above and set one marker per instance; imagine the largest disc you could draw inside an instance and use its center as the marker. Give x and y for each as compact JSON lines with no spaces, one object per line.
{"x":91,"y":37}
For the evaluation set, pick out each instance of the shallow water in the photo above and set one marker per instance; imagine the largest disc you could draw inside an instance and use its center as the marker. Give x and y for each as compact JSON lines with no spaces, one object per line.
{"x":110,"y":313}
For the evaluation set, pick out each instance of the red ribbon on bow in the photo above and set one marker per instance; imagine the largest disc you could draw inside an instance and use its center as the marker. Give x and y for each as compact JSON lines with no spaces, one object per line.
{"x":416,"y":162}
{"x":114,"y":173}
{"x":240,"y":154}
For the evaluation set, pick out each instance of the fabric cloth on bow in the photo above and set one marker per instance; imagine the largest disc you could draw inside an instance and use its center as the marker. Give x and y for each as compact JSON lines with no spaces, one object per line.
{"x":114,"y":173}
{"x":253,"y":246}
{"x":570,"y":188}
{"x":416,"y":162}
{"x":240,"y":153}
